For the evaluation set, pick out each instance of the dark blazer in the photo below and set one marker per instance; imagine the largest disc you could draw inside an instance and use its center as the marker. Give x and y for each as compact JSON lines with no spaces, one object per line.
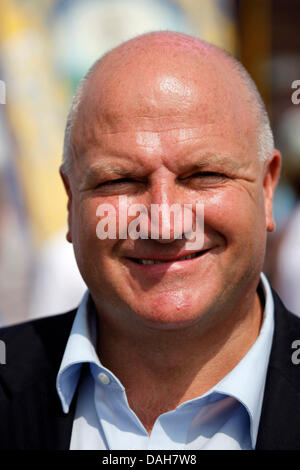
{"x":31,"y":416}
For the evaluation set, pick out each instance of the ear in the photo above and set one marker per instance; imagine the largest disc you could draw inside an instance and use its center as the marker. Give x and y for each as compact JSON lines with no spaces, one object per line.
{"x":270,"y":180}
{"x":67,"y":186}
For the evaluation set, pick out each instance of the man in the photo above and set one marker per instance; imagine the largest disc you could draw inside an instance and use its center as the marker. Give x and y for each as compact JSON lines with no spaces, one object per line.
{"x":164,"y":352}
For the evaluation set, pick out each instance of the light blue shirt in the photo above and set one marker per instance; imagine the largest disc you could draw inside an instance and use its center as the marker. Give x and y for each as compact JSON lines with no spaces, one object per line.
{"x":226,"y":417}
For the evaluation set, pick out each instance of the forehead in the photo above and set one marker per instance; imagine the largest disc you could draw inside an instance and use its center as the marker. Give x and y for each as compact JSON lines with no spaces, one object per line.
{"x":162,"y":97}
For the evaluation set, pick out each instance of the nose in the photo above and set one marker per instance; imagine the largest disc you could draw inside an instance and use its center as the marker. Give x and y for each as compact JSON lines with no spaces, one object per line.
{"x":165,"y":211}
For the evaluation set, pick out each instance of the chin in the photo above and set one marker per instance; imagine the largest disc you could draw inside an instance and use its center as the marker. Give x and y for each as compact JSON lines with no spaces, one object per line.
{"x":168,"y":315}
{"x":169,"y":323}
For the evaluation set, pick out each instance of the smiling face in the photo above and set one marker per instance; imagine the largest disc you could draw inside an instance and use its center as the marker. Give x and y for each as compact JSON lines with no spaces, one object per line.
{"x":171,"y":127}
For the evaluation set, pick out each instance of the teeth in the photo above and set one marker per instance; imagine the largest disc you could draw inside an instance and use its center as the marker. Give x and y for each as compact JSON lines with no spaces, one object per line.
{"x":150,"y":261}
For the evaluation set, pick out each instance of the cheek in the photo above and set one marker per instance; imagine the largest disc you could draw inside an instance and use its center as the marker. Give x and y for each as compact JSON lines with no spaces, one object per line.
{"x":85,"y":222}
{"x":90,"y":251}
{"x":235,"y":215}
{"x":96,"y":227}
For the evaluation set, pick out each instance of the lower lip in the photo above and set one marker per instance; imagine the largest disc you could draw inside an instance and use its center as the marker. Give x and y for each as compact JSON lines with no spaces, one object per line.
{"x":161,"y":268}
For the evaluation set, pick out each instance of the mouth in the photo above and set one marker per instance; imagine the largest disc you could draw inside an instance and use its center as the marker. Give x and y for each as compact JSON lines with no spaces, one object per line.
{"x":171,"y":260}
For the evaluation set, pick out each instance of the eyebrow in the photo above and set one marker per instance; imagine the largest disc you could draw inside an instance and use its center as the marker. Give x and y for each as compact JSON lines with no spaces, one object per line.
{"x":207,"y":160}
{"x":107,"y":169}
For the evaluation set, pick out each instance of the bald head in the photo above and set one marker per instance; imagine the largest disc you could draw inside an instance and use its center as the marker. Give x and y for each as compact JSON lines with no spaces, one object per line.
{"x":166,"y":65}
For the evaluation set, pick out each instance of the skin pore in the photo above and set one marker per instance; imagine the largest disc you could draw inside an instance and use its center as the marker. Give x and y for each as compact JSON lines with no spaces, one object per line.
{"x":166,"y":119}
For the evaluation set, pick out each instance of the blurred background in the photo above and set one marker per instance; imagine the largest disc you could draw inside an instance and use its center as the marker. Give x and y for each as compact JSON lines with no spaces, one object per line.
{"x":46,"y":46}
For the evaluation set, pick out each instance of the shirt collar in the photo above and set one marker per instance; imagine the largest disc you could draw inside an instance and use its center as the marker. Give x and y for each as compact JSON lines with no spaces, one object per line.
{"x":80,"y":349}
{"x":245,"y":382}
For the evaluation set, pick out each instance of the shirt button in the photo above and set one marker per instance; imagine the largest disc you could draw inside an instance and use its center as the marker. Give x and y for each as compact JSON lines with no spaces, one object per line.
{"x":104,"y":378}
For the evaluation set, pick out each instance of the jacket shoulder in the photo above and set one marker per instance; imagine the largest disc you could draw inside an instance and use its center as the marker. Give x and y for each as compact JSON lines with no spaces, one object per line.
{"x":279,"y":427}
{"x":287,"y":331}
{"x":34,"y":349}
{"x":10,"y":331}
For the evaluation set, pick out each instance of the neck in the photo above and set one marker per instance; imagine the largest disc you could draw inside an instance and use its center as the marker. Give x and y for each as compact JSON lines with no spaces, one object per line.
{"x":148,"y":362}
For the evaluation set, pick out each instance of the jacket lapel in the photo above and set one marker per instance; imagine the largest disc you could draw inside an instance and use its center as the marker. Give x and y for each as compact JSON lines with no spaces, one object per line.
{"x":279,"y":426}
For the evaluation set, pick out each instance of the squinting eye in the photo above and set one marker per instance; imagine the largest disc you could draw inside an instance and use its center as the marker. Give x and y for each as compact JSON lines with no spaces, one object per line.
{"x":118,"y":186}
{"x":205,"y":179}
{"x":210,"y":175}
{"x":117,"y":181}
{"x":205,"y":174}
